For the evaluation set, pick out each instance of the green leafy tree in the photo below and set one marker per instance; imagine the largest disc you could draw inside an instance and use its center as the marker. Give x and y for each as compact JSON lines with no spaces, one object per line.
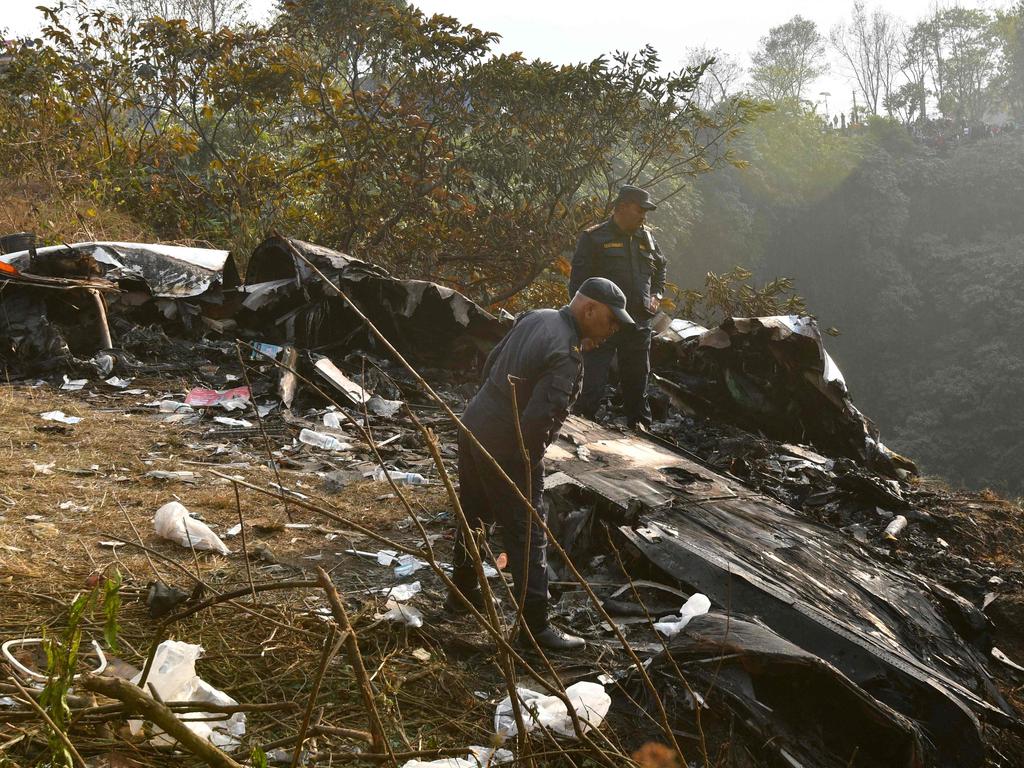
{"x":1010,"y":27}
{"x":732,"y":294}
{"x":207,"y":15}
{"x":446,"y":161}
{"x":188,"y":129}
{"x":788,"y":59}
{"x":363,"y":124}
{"x":964,"y":57}
{"x":909,"y":101}
{"x":722,"y":78}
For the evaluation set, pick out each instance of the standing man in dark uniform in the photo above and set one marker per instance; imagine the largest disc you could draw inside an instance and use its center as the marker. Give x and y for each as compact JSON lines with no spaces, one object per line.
{"x":623,"y":250}
{"x":542,"y":357}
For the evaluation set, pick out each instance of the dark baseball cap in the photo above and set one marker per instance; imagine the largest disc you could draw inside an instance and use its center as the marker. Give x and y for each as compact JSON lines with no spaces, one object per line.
{"x":608,"y":293}
{"x":630,"y":194}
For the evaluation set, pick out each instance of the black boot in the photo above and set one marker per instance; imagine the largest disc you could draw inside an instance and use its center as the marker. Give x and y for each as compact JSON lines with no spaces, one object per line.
{"x":454,"y":606}
{"x":552,"y":638}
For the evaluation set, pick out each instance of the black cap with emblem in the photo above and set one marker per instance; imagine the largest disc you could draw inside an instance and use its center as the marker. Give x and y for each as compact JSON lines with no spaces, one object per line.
{"x":630,"y":194}
{"x":608,"y":293}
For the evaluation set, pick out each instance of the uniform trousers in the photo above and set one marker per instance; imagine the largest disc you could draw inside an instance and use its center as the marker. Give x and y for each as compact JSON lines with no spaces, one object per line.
{"x":488,"y":501}
{"x":633,"y":347}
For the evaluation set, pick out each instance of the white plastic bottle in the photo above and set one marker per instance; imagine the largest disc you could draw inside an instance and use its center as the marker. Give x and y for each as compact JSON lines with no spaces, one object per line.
{"x":320,"y":440}
{"x":400,"y":478}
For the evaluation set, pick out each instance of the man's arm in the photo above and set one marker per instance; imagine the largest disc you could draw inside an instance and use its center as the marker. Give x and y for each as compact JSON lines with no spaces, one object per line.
{"x":548,"y":406}
{"x":582,"y":263}
{"x":660,"y":272}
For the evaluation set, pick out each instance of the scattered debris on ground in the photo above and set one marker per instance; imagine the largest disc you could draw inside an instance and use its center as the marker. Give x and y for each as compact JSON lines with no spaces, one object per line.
{"x":244,"y":477}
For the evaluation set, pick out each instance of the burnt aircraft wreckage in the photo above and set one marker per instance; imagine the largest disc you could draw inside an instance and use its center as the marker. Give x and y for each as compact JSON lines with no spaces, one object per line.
{"x":60,"y":302}
{"x":818,"y":642}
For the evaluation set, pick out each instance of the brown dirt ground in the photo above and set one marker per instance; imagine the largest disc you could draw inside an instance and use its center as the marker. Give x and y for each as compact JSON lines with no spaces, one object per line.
{"x":98,"y":465}
{"x":438,"y":684}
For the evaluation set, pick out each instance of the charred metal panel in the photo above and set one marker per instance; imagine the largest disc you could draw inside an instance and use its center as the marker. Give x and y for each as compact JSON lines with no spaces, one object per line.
{"x":793,"y":704}
{"x":881,"y":626}
{"x":166,"y":271}
{"x":429,"y":323}
{"x":771,"y":374}
{"x":50,"y":310}
{"x":627,"y":470}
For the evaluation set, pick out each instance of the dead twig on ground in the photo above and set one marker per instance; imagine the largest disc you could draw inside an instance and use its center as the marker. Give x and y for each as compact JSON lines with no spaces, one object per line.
{"x":263,"y":431}
{"x":331,"y":645}
{"x":355,"y":659}
{"x":245,"y":546}
{"x":141,"y":703}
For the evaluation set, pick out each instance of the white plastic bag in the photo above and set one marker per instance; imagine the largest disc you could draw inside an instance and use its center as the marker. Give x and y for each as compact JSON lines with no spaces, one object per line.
{"x":174,"y":677}
{"x":479,"y":757}
{"x":402,"y":592}
{"x":403,"y":614}
{"x":539,"y":711}
{"x":408,"y":565}
{"x":697,"y":605}
{"x":174,"y":523}
{"x":380,"y":406}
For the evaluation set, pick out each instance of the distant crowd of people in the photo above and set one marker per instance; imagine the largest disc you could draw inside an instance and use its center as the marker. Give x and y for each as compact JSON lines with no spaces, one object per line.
{"x":944,"y":132}
{"x":937,"y":133}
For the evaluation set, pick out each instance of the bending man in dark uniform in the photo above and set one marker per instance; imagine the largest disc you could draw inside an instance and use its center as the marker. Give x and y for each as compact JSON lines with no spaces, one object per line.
{"x":542,"y":356}
{"x":623,"y":250}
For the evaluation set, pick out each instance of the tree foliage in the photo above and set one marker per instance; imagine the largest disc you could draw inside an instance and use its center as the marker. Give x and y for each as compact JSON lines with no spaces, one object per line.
{"x":363,"y":124}
{"x":913,"y":253}
{"x":788,"y":59}
{"x":1010,"y":29}
{"x":960,"y":50}
{"x":207,"y":15}
{"x":967,"y":56}
{"x":721,"y":79}
{"x":732,"y":294}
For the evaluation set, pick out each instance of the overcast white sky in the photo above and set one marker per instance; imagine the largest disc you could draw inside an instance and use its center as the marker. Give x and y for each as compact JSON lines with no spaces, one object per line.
{"x":573,"y":30}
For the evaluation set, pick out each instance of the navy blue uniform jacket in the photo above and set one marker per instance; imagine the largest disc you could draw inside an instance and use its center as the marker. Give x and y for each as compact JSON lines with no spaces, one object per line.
{"x":542,"y":354}
{"x":631,"y":261}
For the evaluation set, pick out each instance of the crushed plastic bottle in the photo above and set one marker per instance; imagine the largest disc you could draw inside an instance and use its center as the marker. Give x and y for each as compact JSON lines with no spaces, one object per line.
{"x":893,"y":529}
{"x":320,"y":440}
{"x":400,"y":478}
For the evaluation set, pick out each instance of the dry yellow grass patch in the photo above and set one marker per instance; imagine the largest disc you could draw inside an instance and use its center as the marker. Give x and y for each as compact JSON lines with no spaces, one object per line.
{"x":95,"y":469}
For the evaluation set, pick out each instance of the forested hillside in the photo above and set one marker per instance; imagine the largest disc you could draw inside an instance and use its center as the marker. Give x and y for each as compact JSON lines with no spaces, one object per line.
{"x":916,"y":254}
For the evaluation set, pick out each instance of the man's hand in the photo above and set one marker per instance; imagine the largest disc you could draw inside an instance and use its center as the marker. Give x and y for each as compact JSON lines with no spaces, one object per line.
{"x":654,"y":303}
